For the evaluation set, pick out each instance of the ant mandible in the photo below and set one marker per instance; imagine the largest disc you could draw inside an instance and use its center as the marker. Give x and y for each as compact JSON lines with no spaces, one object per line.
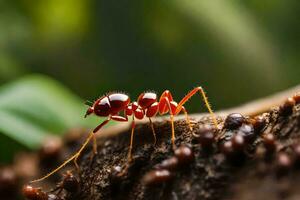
{"x":112,"y":104}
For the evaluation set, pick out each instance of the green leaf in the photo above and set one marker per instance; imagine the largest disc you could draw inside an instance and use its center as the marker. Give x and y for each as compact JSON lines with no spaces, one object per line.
{"x":35,"y":107}
{"x":23,"y":131}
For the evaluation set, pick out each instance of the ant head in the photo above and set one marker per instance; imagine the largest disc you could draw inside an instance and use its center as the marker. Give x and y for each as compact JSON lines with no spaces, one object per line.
{"x":90,"y":110}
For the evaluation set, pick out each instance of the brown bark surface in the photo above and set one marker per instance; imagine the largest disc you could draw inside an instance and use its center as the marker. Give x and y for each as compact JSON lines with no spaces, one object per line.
{"x":252,"y":175}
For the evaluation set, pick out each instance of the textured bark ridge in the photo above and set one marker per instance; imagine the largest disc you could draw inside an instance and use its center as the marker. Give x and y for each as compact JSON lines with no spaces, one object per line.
{"x":254,"y":174}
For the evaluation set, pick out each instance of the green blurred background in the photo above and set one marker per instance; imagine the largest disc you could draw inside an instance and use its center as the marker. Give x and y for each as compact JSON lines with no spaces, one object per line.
{"x":237,"y":50}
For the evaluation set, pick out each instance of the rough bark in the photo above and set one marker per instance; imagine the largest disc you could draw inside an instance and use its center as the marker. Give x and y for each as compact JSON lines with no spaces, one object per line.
{"x":210,"y":176}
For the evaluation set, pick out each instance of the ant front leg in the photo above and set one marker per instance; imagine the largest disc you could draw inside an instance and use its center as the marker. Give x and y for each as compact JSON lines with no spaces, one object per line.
{"x":187,"y":118}
{"x":74,"y":157}
{"x":92,"y":135}
{"x":123,"y":119}
{"x":189,"y":95}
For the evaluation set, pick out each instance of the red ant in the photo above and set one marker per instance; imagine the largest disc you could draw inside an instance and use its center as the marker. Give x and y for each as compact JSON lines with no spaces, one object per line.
{"x":112,"y":104}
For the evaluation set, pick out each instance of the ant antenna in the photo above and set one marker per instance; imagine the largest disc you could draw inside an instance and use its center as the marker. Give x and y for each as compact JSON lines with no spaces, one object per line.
{"x":88,"y":103}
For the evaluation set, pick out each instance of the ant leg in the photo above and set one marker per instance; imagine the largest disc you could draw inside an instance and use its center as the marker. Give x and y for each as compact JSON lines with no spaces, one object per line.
{"x":129,"y":157}
{"x":165,"y":101}
{"x":163,"y":107}
{"x":189,"y":95}
{"x":76,"y":155}
{"x":94,"y":150}
{"x":66,"y":162}
{"x":92,"y":135}
{"x":187,"y":118}
{"x":115,"y":118}
{"x":173,"y":131}
{"x":123,"y":119}
{"x":153,"y":130}
{"x":119,"y":118}
{"x":101,"y":125}
{"x":94,"y":145}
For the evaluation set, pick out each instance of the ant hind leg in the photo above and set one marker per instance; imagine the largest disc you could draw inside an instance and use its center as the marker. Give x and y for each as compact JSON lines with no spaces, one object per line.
{"x":76,"y":155}
{"x":173,"y":131}
{"x":206,"y":102}
{"x":187,"y":118}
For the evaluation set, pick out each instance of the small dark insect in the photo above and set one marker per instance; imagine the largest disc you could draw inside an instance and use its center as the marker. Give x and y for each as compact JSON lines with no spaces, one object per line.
{"x":287,"y":107}
{"x":227,"y":149}
{"x":234,"y":121}
{"x":269,"y":143}
{"x":296,"y":97}
{"x":8,"y":180}
{"x":70,"y":182}
{"x":147,"y":105}
{"x":283,"y":162}
{"x":234,"y":149}
{"x":51,"y":150}
{"x":238,"y":143}
{"x":156,"y":177}
{"x":169,"y":164}
{"x":184,"y":155}
{"x":296,"y":151}
{"x":206,"y":137}
{"x":32,"y":193}
{"x":247,"y":131}
{"x":259,"y":124}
